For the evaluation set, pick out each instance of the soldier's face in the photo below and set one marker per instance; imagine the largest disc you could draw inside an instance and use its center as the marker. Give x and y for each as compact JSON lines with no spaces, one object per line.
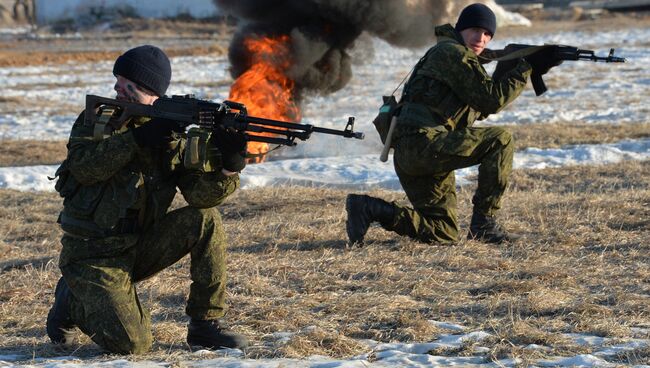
{"x":476,"y":39}
{"x":128,"y":90}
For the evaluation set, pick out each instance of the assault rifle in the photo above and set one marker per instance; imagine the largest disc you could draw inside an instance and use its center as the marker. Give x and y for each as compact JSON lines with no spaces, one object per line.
{"x":187,"y":110}
{"x":557,"y":54}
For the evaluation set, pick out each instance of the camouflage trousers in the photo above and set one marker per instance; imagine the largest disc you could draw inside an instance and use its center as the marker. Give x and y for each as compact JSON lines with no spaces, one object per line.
{"x":102,"y":273}
{"x":425,"y":160}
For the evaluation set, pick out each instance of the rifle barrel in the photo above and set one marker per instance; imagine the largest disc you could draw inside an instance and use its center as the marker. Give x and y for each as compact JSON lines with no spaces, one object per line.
{"x":591,"y":56}
{"x":607,"y":59}
{"x":344,"y":133}
{"x":272,"y":140}
{"x":303,"y":135}
{"x":297,"y":127}
{"x":274,"y":123}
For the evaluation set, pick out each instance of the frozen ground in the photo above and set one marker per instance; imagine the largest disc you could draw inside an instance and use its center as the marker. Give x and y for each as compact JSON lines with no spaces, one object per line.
{"x":363,"y":172}
{"x":379,"y":355}
{"x":579,"y":91}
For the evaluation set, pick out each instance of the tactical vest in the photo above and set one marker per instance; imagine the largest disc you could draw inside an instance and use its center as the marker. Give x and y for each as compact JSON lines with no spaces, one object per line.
{"x":431,"y":102}
{"x":111,"y":207}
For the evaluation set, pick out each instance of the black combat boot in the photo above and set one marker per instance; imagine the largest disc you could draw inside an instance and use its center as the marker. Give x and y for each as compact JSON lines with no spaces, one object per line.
{"x":362,"y":211}
{"x":209,"y":334}
{"x":60,"y":327}
{"x":485,"y":228}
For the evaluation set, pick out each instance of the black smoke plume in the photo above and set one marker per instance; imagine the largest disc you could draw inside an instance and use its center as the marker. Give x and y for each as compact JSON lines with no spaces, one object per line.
{"x":321,"y":32}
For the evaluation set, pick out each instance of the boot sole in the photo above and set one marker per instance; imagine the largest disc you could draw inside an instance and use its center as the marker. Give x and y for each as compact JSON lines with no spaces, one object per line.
{"x":482,"y":239}
{"x":227,"y":342}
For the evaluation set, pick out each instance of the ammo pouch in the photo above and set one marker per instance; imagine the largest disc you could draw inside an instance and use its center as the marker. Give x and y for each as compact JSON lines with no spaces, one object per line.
{"x":89,"y":229}
{"x":200,"y":154}
{"x":385,"y":115}
{"x":101,"y":209}
{"x":66,"y":185}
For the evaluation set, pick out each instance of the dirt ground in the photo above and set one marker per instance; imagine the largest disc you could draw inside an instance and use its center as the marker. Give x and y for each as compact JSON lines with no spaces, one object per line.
{"x":107,"y":41}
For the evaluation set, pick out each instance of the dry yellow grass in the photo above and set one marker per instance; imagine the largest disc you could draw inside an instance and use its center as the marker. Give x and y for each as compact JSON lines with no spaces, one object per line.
{"x":31,"y":152}
{"x":562,"y":134}
{"x":176,"y":37}
{"x":582,"y":268}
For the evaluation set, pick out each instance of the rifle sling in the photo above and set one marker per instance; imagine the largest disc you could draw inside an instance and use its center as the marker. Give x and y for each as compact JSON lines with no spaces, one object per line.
{"x":103,"y":127}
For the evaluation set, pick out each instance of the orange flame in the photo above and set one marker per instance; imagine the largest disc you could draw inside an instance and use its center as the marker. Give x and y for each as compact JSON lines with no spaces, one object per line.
{"x":265,"y":88}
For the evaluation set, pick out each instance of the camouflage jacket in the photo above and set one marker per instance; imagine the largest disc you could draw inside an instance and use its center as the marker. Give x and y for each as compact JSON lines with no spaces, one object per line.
{"x":449,"y":86}
{"x":112,"y":182}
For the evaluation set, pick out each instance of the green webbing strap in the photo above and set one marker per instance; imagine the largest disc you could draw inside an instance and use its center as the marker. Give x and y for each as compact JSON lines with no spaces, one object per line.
{"x":126,"y":225}
{"x":86,"y":225}
{"x":441,"y":39}
{"x":420,"y":71}
{"x":103,"y":129}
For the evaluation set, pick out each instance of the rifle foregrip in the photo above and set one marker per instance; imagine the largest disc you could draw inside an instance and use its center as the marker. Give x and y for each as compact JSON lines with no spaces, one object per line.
{"x":538,"y":84}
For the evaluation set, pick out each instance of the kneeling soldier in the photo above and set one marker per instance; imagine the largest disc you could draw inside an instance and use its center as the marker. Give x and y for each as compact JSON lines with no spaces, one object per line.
{"x":118,"y":228}
{"x":447,"y":92}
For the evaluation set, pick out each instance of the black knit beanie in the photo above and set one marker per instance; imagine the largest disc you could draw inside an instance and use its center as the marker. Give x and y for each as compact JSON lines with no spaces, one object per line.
{"x":148,"y":66}
{"x":477,"y":15}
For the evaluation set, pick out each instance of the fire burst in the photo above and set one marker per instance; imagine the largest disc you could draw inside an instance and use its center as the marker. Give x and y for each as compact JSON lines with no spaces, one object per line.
{"x":265,"y":88}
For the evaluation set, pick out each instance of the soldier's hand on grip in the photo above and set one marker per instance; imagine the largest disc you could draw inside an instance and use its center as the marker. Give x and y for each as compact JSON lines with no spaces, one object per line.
{"x":504,"y":66}
{"x":232,"y":145}
{"x":543,"y":60}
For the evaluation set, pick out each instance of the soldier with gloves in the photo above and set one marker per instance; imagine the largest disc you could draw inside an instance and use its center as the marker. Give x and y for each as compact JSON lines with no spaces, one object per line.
{"x":119,"y":228}
{"x":447,"y":92}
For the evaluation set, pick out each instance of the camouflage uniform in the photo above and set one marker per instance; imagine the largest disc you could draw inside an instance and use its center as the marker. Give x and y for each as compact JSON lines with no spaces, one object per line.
{"x":448,"y":91}
{"x":118,"y":231}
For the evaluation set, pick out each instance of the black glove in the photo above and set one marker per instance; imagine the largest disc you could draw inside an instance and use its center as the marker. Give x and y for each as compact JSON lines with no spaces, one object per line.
{"x":155,"y":132}
{"x":232,"y":145}
{"x":503,"y":67}
{"x":543,"y":60}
